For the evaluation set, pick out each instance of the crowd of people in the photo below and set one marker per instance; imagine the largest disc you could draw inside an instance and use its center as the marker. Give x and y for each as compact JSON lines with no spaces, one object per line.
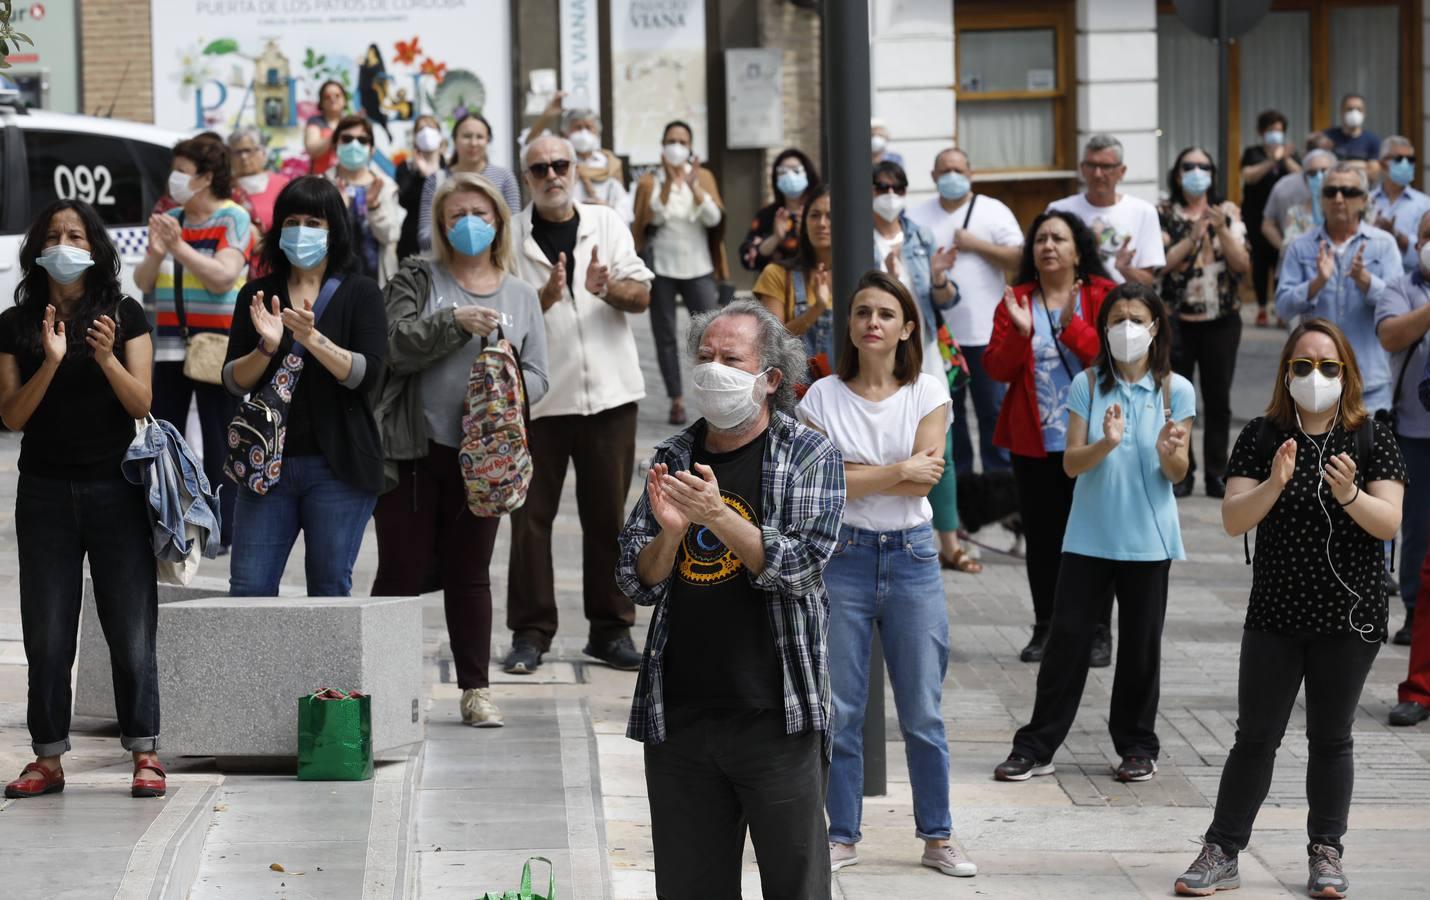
{"x":814,"y":497}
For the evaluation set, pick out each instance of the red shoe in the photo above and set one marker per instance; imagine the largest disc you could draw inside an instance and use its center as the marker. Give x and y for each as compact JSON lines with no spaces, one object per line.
{"x":149,"y":787}
{"x":1262,"y":319}
{"x":53,"y":782}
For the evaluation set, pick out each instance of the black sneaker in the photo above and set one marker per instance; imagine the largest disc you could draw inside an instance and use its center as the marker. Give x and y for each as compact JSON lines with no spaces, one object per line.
{"x":620,"y":653}
{"x":1327,"y":879}
{"x":523,"y":659}
{"x":1101,"y":655}
{"x":1216,"y":487}
{"x":1213,"y":870}
{"x":1183,"y":488}
{"x":1409,"y":713}
{"x":1036,"y":645}
{"x":1136,"y":768}
{"x":1402,"y":637}
{"x":1018,"y":767}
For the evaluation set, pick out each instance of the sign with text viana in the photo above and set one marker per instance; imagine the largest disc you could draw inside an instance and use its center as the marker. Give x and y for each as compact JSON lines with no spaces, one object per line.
{"x":657,"y":74}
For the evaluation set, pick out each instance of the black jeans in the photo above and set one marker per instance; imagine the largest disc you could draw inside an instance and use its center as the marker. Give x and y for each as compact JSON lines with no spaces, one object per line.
{"x":1085,"y":584}
{"x":700,"y":296}
{"x":1211,"y":346}
{"x":1044,"y":500}
{"x":57,"y":524}
{"x":721,"y":772}
{"x":1273,"y":666}
{"x":172,"y":390}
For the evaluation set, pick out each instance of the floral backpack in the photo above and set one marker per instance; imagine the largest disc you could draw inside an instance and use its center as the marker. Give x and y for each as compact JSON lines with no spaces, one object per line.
{"x":495,"y":459}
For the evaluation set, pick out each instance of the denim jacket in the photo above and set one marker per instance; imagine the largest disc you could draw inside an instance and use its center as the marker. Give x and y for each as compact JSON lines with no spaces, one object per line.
{"x":917,"y":255}
{"x":176,"y":488}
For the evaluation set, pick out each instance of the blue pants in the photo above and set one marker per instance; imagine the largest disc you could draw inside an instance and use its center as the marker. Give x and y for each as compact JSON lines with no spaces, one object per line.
{"x":331,"y":514}
{"x":890,"y":579}
{"x":1415,"y":523}
{"x":987,"y":399}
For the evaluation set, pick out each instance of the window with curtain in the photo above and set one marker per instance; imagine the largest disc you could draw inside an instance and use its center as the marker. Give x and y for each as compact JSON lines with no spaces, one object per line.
{"x":1186,"y":93}
{"x":1365,"y":59}
{"x":1008,"y":96}
{"x":1275,"y":70}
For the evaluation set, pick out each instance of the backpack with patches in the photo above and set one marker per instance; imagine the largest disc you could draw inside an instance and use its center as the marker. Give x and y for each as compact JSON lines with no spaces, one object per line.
{"x":494,"y":456}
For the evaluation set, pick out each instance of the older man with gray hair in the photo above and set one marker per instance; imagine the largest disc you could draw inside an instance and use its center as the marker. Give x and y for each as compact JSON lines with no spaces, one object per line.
{"x":583,"y":263}
{"x":1128,"y":231}
{"x":740,"y":514}
{"x":600,"y":178}
{"x":1294,"y":206}
{"x":1395,"y":206}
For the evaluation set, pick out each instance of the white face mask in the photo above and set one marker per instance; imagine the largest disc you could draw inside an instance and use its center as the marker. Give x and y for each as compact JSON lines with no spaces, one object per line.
{"x":428,"y":139}
{"x":1129,"y":341}
{"x":888,"y":206}
{"x":675,"y":154}
{"x":725,"y":395}
{"x":254,"y":184}
{"x":179,"y":187}
{"x":1353,"y":118}
{"x":585,"y":141}
{"x":1425,"y":258}
{"x":1315,"y":392}
{"x":878,"y":143}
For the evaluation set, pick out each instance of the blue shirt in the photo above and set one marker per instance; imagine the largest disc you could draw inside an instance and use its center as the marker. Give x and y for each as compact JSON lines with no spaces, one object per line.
{"x":1405,"y":295}
{"x":1342,"y":301}
{"x":1053,"y":369}
{"x":1405,"y":212}
{"x":1365,"y":145}
{"x":1123,"y":508}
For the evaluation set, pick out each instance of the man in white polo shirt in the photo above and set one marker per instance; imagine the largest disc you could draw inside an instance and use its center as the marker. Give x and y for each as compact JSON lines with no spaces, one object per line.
{"x":990,"y":245}
{"x":1129,"y":234}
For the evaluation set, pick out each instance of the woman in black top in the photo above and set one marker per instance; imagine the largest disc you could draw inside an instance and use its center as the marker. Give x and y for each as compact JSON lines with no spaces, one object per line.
{"x":332,"y":458}
{"x":774,"y":234}
{"x":1323,"y":494}
{"x":1262,"y":165}
{"x":75,"y":366}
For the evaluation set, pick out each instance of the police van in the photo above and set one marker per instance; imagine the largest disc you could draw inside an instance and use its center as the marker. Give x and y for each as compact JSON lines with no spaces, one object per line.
{"x":120,"y":167}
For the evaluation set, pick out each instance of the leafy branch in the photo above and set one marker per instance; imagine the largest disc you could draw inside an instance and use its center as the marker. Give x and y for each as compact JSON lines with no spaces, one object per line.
{"x":9,"y":37}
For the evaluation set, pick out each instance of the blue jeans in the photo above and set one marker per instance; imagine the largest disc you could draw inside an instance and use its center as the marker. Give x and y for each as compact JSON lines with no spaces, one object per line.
{"x":891,"y":579}
{"x":331,"y":514}
{"x":987,"y":400}
{"x":1415,"y":523}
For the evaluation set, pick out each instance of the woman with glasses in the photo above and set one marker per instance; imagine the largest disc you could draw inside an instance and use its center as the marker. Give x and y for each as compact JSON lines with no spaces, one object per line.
{"x":374,"y":214}
{"x":318,"y":131}
{"x":1322,"y":482}
{"x":1207,"y":260}
{"x":774,"y":234}
{"x":1338,"y":271}
{"x":472,"y":135}
{"x":248,"y":147}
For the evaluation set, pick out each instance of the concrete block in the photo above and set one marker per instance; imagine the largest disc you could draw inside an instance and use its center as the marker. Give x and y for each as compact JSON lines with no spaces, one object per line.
{"x":1117,"y":106}
{"x":1117,"y":56}
{"x":912,"y":17}
{"x":916,"y":113}
{"x":231,"y":670}
{"x":1116,"y":15}
{"x":908,"y":63}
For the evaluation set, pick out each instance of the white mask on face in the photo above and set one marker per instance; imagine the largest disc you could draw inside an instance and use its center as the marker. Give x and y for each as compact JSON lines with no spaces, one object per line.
{"x":179,"y":187}
{"x":725,"y":395}
{"x":878,"y":143}
{"x":585,"y":141}
{"x":888,"y":206}
{"x":675,"y":154}
{"x":254,"y":184}
{"x":1315,"y":392}
{"x":1425,"y":258}
{"x":428,"y":139}
{"x":1353,"y":118}
{"x":1129,"y":341}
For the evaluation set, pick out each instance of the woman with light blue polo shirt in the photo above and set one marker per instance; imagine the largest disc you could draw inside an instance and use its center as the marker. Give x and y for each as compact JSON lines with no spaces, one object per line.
{"x":1127,"y":444}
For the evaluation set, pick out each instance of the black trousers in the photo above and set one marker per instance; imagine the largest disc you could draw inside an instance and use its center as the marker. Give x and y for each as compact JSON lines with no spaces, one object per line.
{"x":720,"y":773}
{"x":1263,"y":264}
{"x":1085,"y":585}
{"x":1273,"y":666}
{"x":1210,"y":346}
{"x":700,"y":295}
{"x":1045,"y":495}
{"x":172,"y":391}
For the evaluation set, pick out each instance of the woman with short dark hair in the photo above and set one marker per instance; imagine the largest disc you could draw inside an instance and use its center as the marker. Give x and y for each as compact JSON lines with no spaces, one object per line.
{"x":774,"y":234}
{"x":1262,"y":165}
{"x":374,"y":214}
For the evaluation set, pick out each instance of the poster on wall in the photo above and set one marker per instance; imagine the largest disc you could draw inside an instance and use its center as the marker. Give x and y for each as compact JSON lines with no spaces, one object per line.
{"x":657,"y":74}
{"x":581,"y":54}
{"x":220,"y":64}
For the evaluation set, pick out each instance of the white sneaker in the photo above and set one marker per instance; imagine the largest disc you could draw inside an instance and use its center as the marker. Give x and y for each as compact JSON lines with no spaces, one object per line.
{"x":949,"y":860}
{"x":841,"y":855}
{"x":478,"y":710}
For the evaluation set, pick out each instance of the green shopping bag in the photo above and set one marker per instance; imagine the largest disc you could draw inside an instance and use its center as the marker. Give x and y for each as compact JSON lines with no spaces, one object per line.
{"x":334,"y":736}
{"x":525,"y":893}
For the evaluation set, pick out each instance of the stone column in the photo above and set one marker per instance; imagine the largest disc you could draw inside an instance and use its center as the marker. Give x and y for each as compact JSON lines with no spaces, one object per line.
{"x":913,"y":76}
{"x":1117,"y":84}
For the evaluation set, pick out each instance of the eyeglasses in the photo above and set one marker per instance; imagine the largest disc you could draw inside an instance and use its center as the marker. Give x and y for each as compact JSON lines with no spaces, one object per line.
{"x":889,"y":189}
{"x":349,"y":138}
{"x":1331,"y":368}
{"x":1101,"y":167}
{"x":1350,"y":193}
{"x":1193,"y":166}
{"x":1402,"y":158}
{"x":541,"y":169}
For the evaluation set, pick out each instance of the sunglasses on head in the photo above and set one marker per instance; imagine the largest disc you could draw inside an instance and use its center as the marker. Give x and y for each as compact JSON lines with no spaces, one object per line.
{"x":1193,"y":166}
{"x":541,"y":169}
{"x":1402,"y":157}
{"x":1350,"y":193}
{"x":1331,"y":368}
{"x":349,"y":138}
{"x":889,"y":189}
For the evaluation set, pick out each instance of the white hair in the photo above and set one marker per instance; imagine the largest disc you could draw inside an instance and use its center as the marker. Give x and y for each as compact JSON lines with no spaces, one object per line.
{"x":778,"y":348}
{"x":1395,"y":140}
{"x":1319,"y":154}
{"x":1102,"y":141}
{"x":1345,"y":168}
{"x":570,"y":150}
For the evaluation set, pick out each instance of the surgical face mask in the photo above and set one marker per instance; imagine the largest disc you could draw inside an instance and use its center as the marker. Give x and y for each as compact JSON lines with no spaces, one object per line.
{"x":1314,"y":180}
{"x":253,"y":184}
{"x":953,"y":185}
{"x":1315,"y":392}
{"x":1273,"y":138}
{"x":1425,"y":258}
{"x":471,"y":235}
{"x":1402,"y":172}
{"x":724,"y":394}
{"x":64,"y":263}
{"x":1353,"y":118}
{"x":354,"y":155}
{"x":888,"y":206}
{"x":1196,"y":182}
{"x":675,"y":154}
{"x":878,"y":143}
{"x":585,"y":141}
{"x":1129,"y":341}
{"x":428,"y":139}
{"x":179,"y":187}
{"x":305,"y":247}
{"x":792,"y":182}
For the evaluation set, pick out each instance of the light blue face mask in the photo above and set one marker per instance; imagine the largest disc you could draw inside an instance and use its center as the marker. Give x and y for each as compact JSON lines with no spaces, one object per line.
{"x":64,"y":263}
{"x":1196,"y":182}
{"x":1314,"y":182}
{"x":953,"y":185}
{"x":354,"y":154}
{"x":792,"y":184}
{"x":471,"y":235}
{"x":1402,"y":172}
{"x":305,"y":247}
{"x":1274,"y":138}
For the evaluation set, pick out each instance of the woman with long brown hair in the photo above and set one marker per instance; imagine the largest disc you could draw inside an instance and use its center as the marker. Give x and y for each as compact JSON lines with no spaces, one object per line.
{"x":1322,"y":484}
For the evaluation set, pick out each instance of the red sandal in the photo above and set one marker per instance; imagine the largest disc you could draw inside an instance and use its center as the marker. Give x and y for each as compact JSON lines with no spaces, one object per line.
{"x":149,"y":787}
{"x":53,"y":782}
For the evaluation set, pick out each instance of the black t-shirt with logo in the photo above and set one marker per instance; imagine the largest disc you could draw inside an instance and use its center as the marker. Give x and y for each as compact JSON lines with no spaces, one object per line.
{"x":1294,"y":589}
{"x":721,"y":648}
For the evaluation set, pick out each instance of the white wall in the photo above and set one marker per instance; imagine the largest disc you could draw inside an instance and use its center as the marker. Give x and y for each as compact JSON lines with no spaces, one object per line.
{"x":911,"y":61}
{"x":1117,"y":83}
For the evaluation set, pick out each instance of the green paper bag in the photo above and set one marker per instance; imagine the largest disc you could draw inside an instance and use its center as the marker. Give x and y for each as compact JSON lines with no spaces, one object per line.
{"x":525,"y":893}
{"x":334,"y":736}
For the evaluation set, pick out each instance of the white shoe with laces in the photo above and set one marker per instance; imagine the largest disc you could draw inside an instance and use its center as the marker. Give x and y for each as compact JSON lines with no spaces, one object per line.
{"x":478,"y":710}
{"x":842,"y":855}
{"x":949,"y":860}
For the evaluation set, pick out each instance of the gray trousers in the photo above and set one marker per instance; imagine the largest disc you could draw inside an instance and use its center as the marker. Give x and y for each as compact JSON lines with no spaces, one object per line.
{"x":700,"y":296}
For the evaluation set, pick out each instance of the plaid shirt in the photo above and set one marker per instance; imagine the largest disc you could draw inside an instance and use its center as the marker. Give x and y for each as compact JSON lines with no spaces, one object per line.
{"x":802,"y":504}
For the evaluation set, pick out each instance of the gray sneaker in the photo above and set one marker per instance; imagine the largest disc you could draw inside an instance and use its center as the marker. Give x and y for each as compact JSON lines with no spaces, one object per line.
{"x":1210,"y":872}
{"x":949,"y":860}
{"x":1327,"y":879}
{"x":841,"y":855}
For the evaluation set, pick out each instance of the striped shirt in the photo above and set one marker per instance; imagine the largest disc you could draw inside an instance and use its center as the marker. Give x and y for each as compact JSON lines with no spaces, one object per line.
{"x":802,"y":500}
{"x":228,"y":227}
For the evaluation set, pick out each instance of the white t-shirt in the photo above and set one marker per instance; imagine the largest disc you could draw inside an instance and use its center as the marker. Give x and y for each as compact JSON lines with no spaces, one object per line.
{"x":875,"y":434}
{"x":980,"y":281}
{"x":1112,"y":224}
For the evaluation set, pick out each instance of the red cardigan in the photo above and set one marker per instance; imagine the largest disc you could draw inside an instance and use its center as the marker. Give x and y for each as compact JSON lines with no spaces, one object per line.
{"x":1009,"y":358}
